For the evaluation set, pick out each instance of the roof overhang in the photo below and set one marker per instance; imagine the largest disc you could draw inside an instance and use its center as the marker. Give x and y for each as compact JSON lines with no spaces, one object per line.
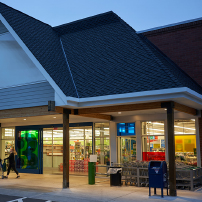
{"x":182,"y":95}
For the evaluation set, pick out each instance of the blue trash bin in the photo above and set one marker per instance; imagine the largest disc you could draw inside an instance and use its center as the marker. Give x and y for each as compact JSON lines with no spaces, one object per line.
{"x":158,"y":177}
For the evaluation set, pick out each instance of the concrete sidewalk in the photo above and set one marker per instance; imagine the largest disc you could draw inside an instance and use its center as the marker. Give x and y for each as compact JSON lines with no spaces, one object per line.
{"x":49,"y":187}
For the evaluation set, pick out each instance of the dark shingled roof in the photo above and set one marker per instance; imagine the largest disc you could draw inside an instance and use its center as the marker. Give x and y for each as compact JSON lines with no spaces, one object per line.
{"x":105,"y":55}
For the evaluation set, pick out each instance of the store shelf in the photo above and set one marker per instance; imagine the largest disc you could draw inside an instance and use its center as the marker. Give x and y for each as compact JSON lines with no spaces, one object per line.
{"x":56,"y":150}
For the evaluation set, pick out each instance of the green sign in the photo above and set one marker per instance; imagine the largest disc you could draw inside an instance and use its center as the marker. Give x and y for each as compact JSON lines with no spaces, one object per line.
{"x":27,"y":147}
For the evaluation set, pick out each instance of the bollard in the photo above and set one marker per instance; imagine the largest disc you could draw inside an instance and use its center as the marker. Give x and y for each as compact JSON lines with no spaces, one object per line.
{"x":91,"y":173}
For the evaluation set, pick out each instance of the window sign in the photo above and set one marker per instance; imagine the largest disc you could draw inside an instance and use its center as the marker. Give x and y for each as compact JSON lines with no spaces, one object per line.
{"x":125,"y":129}
{"x":163,"y":143}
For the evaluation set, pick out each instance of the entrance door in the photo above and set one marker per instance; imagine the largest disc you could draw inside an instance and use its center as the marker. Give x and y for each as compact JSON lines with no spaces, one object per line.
{"x":127,"y":149}
{"x":28,"y":147}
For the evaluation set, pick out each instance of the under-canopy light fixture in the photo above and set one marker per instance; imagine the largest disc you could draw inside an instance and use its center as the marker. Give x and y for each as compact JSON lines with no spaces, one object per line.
{"x":165,"y":109}
{"x":54,"y":117}
{"x":24,"y":119}
{"x":119,"y":112}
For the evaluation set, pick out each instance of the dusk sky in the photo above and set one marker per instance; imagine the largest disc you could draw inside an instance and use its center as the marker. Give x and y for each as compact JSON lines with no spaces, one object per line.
{"x":140,"y":14}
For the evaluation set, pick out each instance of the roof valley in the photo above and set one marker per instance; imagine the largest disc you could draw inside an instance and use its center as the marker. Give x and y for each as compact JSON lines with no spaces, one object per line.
{"x":68,"y":66}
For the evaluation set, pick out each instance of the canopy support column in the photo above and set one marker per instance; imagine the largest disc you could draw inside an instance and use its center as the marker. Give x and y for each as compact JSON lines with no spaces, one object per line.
{"x":66,"y":113}
{"x":171,"y":146}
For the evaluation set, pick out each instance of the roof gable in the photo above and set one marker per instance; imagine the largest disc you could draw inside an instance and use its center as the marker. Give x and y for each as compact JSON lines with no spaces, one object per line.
{"x":44,"y":44}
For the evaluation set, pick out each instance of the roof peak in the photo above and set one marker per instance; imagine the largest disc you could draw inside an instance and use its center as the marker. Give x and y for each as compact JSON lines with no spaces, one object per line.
{"x":87,"y":23}
{"x":22,"y":13}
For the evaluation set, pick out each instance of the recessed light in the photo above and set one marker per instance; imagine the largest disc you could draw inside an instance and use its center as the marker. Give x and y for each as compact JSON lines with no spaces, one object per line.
{"x":119,"y":112}
{"x":165,"y":109}
{"x":54,"y":117}
{"x":192,"y":119}
{"x":24,"y":119}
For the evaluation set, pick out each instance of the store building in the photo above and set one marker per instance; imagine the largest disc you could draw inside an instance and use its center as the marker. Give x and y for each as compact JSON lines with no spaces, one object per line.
{"x":91,"y":86}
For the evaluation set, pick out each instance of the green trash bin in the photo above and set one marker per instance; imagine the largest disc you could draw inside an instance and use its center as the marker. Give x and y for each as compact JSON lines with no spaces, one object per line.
{"x":91,"y":172}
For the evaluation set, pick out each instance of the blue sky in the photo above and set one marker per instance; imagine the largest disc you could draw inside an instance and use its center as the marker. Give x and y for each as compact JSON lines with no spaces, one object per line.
{"x":140,"y":14}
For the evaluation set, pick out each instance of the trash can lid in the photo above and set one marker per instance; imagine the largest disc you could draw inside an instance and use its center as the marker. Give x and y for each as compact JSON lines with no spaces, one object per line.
{"x":113,"y":170}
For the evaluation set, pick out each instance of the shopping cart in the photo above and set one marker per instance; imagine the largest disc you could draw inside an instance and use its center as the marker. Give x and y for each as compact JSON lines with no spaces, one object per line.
{"x":2,"y":167}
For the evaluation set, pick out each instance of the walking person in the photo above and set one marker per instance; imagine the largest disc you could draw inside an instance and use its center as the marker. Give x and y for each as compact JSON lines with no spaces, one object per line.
{"x":11,"y":164}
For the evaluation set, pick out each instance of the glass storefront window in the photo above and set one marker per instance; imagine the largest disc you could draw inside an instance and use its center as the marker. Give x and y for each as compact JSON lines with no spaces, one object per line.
{"x":47,"y":147}
{"x":77,"y":133}
{"x":127,"y":149}
{"x":184,"y":127}
{"x":80,"y":148}
{"x":8,"y":145}
{"x":153,"y":141}
{"x":7,"y":141}
{"x":57,"y":137}
{"x":8,"y":133}
{"x":185,"y":141}
{"x":153,"y":128}
{"x":88,"y":149}
{"x":153,"y":148}
{"x":102,"y":144}
{"x":126,"y":142}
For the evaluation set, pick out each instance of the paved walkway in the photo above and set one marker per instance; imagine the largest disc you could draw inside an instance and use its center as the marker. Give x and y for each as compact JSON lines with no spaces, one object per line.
{"x":49,"y":188}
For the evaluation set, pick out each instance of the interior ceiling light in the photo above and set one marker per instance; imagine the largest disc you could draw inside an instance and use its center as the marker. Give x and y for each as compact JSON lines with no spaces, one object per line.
{"x":24,"y":119}
{"x":119,"y":112}
{"x":165,"y":109}
{"x":54,"y":117}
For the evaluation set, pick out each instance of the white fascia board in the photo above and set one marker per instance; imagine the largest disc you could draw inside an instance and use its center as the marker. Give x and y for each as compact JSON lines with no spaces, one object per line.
{"x":34,"y":60}
{"x":144,"y":96}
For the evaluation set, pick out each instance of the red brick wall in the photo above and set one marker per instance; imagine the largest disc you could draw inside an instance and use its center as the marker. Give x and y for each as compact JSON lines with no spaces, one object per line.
{"x":183,"y":45}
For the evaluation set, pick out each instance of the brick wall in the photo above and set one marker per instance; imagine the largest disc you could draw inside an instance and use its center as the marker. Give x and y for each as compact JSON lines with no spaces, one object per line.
{"x":182,"y":44}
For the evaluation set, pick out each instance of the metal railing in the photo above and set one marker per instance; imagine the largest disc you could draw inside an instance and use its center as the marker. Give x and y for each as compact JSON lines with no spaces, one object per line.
{"x":100,"y":166}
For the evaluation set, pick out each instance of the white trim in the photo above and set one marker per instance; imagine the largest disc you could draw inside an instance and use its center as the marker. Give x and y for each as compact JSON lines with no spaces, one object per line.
{"x":169,"y":25}
{"x":144,"y":96}
{"x":33,"y":59}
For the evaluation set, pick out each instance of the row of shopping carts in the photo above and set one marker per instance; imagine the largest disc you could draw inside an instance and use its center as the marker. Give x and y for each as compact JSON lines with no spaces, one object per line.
{"x":136,"y":173}
{"x":188,"y":177}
